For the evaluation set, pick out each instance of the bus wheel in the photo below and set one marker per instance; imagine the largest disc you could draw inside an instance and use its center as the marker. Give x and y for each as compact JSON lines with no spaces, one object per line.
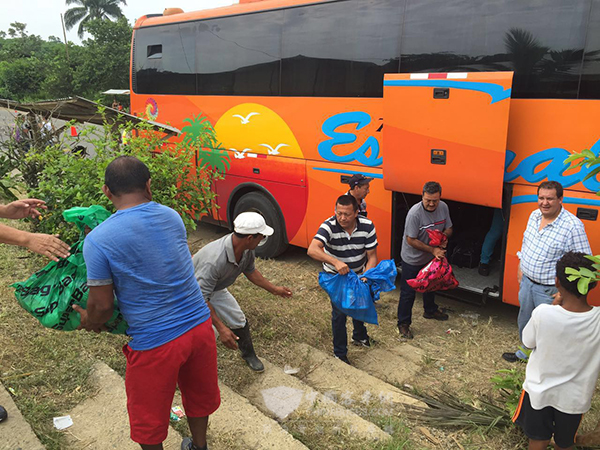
{"x":273,"y":245}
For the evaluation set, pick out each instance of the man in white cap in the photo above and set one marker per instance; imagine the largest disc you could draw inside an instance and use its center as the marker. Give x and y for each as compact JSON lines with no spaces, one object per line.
{"x":217,"y":265}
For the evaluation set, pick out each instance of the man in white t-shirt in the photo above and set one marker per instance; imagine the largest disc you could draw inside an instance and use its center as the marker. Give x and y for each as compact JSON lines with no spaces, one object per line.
{"x":559,"y":381}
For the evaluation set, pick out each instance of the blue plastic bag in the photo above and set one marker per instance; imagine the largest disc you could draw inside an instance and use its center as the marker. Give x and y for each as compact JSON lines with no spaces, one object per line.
{"x":357,"y":298}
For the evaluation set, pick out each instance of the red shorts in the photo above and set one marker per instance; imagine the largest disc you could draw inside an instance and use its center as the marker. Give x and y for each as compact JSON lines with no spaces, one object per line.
{"x":189,"y":361}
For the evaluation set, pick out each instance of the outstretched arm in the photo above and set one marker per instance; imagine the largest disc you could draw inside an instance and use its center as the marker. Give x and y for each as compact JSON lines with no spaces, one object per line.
{"x":256,"y":277}
{"x":45,"y":244}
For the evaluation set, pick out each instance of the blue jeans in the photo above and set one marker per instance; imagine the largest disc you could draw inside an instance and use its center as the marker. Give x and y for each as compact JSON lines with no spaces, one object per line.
{"x":407,"y":295}
{"x":338,"y":328}
{"x":531,"y":296}
{"x":492,"y":236}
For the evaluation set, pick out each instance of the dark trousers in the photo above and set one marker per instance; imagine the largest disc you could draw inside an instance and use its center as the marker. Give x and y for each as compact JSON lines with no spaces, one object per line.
{"x":340,"y":337}
{"x":407,"y":295}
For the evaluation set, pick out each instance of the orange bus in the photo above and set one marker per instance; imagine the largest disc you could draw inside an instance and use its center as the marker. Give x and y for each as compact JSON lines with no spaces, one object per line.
{"x":488,"y":98}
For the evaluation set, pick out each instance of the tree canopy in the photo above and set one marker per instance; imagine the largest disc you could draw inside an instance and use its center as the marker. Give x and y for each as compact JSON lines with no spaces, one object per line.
{"x":89,"y":10}
{"x":32,"y":68}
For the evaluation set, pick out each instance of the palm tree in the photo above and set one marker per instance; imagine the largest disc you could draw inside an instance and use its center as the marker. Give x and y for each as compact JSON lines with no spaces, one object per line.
{"x":90,"y":10}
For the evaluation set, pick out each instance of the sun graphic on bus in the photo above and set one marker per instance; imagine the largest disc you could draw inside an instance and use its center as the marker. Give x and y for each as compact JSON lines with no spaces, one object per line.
{"x":251,"y":129}
{"x":151,"y":109}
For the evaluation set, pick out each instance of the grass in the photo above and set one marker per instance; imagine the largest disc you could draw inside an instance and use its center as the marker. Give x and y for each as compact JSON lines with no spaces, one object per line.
{"x":46,"y":371}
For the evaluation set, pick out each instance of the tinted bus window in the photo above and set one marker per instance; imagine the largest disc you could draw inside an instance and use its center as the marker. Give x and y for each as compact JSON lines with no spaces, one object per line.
{"x":164,"y":60}
{"x":239,"y":55}
{"x":541,"y":40}
{"x":590,"y":78}
{"x":340,"y":49}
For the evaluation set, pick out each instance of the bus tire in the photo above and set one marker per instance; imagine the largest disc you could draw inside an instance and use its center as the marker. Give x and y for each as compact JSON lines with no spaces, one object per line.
{"x":275,"y":244}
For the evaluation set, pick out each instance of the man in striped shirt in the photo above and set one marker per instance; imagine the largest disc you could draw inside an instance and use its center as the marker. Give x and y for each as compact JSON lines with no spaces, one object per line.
{"x":344,"y":242}
{"x":551,"y":232}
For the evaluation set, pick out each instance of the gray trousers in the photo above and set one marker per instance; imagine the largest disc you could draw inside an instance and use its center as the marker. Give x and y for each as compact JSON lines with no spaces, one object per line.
{"x":228,"y":309}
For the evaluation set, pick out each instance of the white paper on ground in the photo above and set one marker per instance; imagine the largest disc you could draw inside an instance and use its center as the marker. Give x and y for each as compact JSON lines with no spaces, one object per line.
{"x":62,"y":422}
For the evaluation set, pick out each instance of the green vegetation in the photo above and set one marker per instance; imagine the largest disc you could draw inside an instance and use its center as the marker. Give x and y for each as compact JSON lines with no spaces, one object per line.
{"x":64,"y":178}
{"x":32,"y":68}
{"x":588,"y":159}
{"x":89,"y":10}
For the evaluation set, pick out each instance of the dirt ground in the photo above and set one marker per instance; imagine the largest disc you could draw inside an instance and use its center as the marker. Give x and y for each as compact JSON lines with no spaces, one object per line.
{"x":46,"y":371}
{"x":459,"y":356}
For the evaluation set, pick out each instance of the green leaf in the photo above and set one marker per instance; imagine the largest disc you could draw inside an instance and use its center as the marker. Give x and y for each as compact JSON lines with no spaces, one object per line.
{"x":571,"y":271}
{"x":592,"y":173}
{"x":573,"y":277}
{"x":584,"y":271}
{"x":595,"y":259}
{"x":588,"y":153}
{"x":583,"y":285}
{"x":574,"y":157}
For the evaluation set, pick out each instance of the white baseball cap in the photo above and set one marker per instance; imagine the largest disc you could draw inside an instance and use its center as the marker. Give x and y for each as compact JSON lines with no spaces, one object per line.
{"x":251,"y":223}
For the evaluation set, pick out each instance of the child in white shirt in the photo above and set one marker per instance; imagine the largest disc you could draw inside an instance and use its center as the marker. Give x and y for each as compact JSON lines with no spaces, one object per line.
{"x":564,"y":365}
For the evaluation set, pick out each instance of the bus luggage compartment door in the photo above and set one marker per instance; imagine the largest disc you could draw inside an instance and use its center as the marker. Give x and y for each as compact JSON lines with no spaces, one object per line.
{"x":450,"y":128}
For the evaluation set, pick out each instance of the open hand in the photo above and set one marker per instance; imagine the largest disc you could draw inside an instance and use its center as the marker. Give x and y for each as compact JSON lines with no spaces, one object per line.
{"x":282,"y":291}
{"x":24,"y":208}
{"x":47,"y":245}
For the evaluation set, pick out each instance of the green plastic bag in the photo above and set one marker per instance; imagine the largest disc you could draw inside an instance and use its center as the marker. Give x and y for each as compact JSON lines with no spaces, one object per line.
{"x":50,"y":293}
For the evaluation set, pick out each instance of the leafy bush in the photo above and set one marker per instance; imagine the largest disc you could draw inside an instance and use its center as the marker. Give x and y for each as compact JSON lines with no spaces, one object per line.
{"x":510,"y":384}
{"x":67,"y":178}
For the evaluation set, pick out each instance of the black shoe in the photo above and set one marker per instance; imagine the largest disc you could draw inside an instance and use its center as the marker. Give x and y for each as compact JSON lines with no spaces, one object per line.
{"x":364,"y":342}
{"x":344,"y":358}
{"x":510,"y":357}
{"x":437,"y":315}
{"x":188,"y":444}
{"x":405,"y":332}
{"x":3,"y":414}
{"x":484,"y":269}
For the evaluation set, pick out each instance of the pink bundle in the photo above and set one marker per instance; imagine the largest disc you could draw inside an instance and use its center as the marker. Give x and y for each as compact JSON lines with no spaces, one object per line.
{"x":435,"y":276}
{"x":437,"y":238}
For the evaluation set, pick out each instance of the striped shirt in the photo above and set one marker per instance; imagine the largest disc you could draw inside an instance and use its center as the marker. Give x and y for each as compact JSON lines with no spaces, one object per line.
{"x":542,"y":249}
{"x":347,"y":248}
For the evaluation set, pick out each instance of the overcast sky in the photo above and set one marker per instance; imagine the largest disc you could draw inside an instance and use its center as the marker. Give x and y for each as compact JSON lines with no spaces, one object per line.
{"x":43,"y":16}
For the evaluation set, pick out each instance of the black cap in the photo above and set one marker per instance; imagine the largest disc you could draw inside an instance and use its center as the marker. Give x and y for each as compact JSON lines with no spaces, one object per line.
{"x":357,"y":179}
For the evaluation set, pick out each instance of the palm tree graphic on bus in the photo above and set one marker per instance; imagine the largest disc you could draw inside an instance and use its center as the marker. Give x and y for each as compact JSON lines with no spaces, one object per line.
{"x":201,"y":133}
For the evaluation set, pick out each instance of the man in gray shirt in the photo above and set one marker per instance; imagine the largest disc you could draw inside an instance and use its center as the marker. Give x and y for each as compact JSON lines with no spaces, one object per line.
{"x":217,"y":265}
{"x":429,"y":214}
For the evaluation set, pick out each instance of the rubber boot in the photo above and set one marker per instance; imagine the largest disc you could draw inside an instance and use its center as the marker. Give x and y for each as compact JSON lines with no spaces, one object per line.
{"x":247,"y":349}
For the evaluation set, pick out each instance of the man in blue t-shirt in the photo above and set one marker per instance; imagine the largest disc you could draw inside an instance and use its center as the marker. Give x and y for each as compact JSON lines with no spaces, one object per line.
{"x":141,"y":254}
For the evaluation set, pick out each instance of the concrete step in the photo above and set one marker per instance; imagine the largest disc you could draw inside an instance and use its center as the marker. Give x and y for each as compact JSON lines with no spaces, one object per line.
{"x":287,"y":398}
{"x":101,"y":422}
{"x":15,"y":432}
{"x":243,"y":424}
{"x":349,"y":386}
{"x":395,"y":364}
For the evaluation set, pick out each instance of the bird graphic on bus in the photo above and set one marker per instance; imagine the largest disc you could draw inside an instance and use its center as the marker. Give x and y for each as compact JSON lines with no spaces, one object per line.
{"x":240,"y":155}
{"x":246,"y":120}
{"x":274,"y":151}
{"x":258,"y":128}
